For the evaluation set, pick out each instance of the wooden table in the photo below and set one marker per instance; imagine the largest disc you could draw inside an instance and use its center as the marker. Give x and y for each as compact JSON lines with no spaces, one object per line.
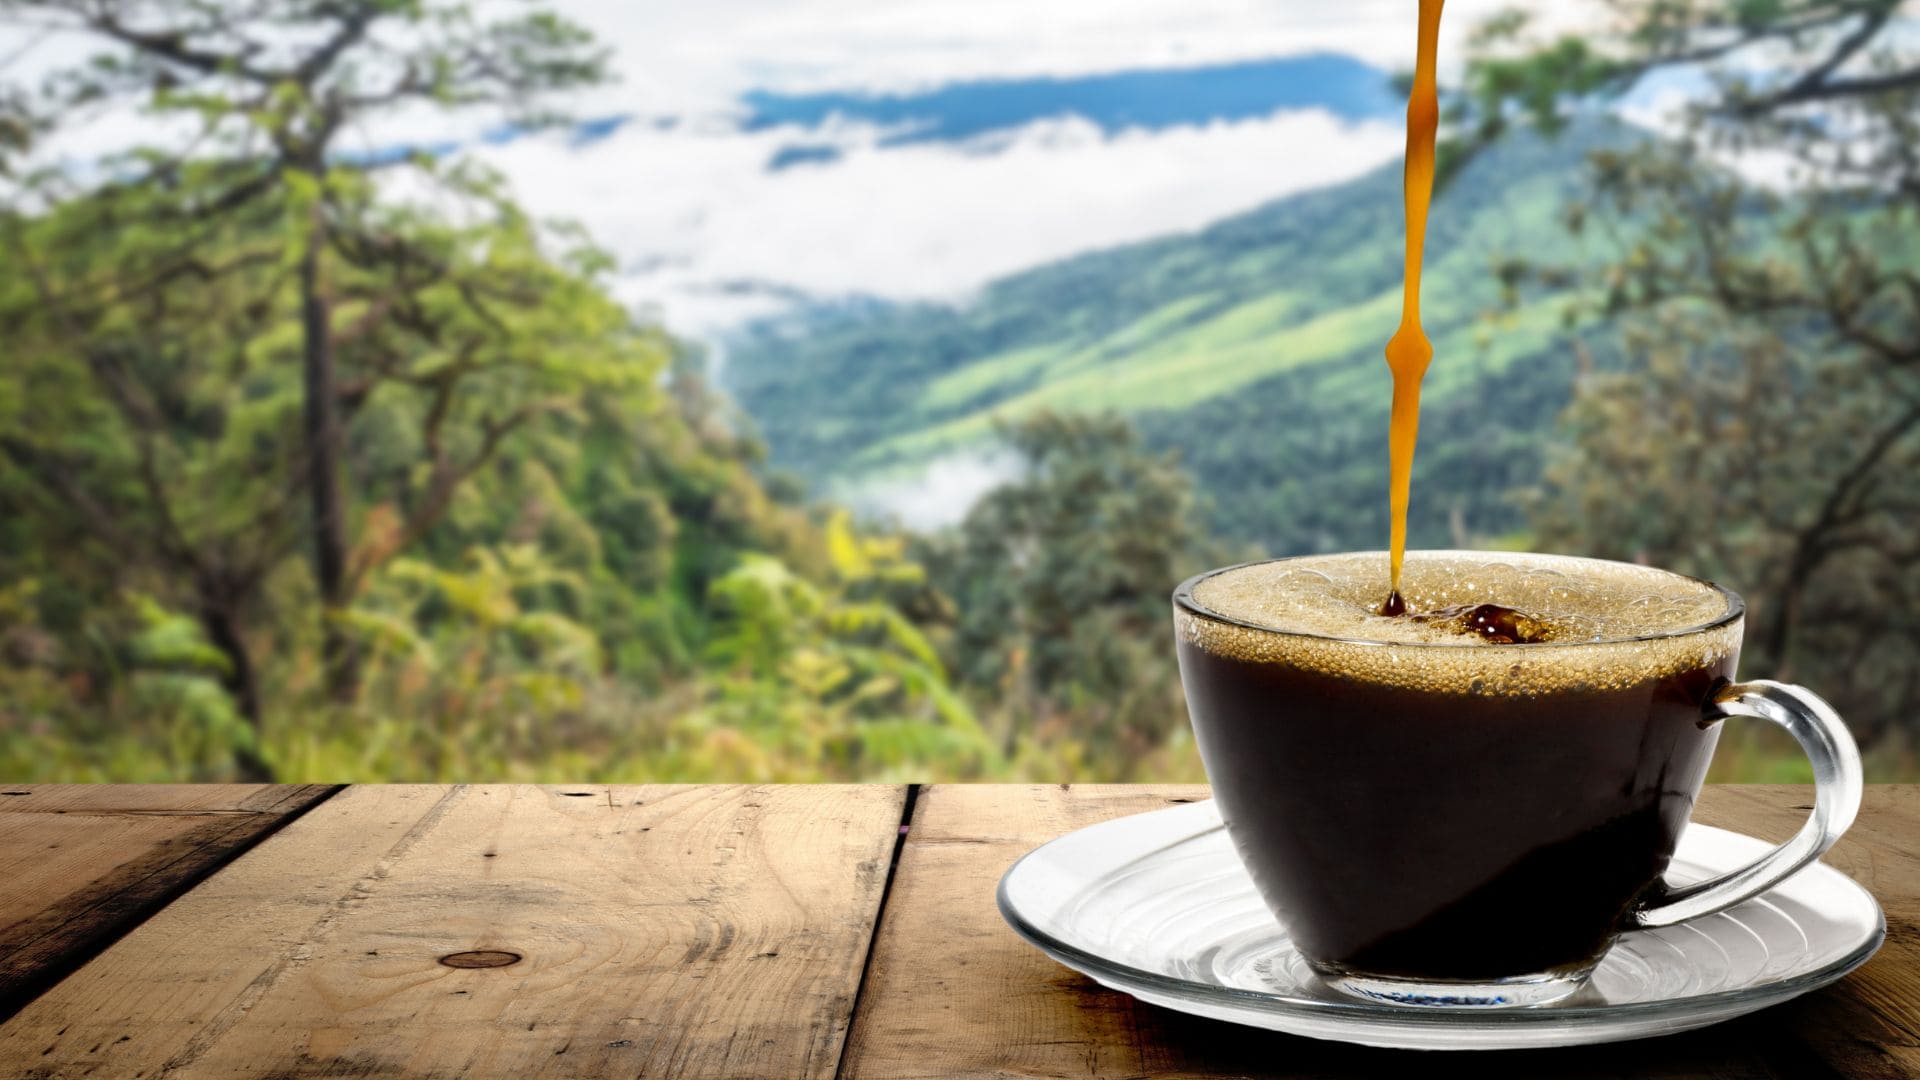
{"x":781,"y":931}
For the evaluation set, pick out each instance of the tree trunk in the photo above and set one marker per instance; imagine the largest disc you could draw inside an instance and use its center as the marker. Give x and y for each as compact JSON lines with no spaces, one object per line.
{"x":1812,"y":546}
{"x":242,"y":683}
{"x":1783,"y":616}
{"x":322,"y":418}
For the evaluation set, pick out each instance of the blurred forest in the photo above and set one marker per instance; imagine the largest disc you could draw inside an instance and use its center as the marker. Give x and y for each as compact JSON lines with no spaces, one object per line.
{"x":322,"y":466}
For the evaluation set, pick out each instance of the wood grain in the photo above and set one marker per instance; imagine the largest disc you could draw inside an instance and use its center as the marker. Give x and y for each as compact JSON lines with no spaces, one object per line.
{"x":80,"y":863}
{"x":951,"y":991}
{"x":589,"y":931}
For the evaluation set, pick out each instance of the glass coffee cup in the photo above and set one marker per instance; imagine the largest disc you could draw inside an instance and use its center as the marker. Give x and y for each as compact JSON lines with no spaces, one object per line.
{"x":1440,"y":819}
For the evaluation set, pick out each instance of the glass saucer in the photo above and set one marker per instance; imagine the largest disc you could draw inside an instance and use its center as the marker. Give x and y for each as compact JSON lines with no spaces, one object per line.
{"x":1157,"y":906}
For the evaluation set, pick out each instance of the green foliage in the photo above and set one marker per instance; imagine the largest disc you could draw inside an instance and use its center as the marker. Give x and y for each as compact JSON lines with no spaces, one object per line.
{"x":821,"y":684}
{"x":136,"y":696}
{"x":557,"y":557}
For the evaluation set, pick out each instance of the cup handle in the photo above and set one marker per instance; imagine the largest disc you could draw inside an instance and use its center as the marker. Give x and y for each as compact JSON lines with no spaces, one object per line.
{"x":1837,"y":784}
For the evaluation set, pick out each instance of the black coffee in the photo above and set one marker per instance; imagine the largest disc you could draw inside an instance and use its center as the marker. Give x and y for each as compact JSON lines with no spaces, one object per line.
{"x":1445,"y":806}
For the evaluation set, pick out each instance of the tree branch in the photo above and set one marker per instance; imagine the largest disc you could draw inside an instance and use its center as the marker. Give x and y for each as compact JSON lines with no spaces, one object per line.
{"x":1863,"y":86}
{"x":445,"y":479}
{"x":172,"y":47}
{"x":352,"y":28}
{"x":1813,"y":545}
{"x":1814,"y":79}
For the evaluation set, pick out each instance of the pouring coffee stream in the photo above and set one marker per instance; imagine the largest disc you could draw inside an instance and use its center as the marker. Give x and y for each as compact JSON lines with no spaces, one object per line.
{"x":1409,"y":350}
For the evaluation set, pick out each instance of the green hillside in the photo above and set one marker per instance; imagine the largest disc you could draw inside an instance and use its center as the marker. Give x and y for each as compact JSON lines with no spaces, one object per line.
{"x":1252,"y":346}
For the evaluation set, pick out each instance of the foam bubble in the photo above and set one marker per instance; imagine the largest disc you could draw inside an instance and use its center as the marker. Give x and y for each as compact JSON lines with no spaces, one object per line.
{"x":1606,"y":624}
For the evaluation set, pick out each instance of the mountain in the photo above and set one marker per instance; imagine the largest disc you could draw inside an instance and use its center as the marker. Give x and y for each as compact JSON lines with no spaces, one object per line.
{"x":1253,"y":347}
{"x":1152,"y":99}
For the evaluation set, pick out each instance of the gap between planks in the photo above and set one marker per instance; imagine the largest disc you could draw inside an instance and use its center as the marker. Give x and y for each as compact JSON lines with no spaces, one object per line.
{"x":879,"y":917}
{"x":78,"y":926}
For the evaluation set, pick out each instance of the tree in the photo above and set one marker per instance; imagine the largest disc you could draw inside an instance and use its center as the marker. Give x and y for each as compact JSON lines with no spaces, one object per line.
{"x":1062,"y":579}
{"x":171,"y":284}
{"x":268,"y":90}
{"x":1767,"y":417}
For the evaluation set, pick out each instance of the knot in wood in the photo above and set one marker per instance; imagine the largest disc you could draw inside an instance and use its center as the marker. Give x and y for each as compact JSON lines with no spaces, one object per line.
{"x":481,"y":958}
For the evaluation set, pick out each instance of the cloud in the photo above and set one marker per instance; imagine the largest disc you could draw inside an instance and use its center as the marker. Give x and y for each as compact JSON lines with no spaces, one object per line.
{"x":936,"y":495}
{"x":699,"y":220}
{"x":694,"y":56}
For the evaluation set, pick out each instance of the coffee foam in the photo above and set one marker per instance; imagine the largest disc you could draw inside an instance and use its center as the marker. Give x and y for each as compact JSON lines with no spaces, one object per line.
{"x":1611,"y":624}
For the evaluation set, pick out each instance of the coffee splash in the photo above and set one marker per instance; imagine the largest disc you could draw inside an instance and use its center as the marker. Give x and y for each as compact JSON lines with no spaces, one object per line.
{"x":1492,"y":623}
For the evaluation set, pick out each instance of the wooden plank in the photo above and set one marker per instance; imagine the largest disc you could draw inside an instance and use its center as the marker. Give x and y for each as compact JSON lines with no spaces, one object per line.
{"x":952,"y":992}
{"x":81,"y":863}
{"x":498,"y":931}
